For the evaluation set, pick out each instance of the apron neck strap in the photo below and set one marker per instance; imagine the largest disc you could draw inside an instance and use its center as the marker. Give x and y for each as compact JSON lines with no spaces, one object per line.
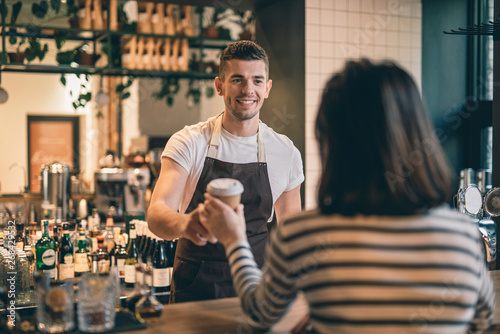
{"x":214,"y":141}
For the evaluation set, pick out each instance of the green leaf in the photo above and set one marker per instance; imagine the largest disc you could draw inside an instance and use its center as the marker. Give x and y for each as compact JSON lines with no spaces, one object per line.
{"x":56,"y":5}
{"x":16,"y":8}
{"x":209,"y":92}
{"x":12,"y":39}
{"x":170,"y":101}
{"x":120,"y":88}
{"x":60,"y":40}
{"x":30,"y":55}
{"x":3,"y":9}
{"x":63,"y":80}
{"x":3,"y":57}
{"x":126,"y":95}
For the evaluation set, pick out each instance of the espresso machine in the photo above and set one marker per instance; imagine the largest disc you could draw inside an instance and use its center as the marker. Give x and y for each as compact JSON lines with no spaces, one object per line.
{"x":478,"y":199}
{"x":121,"y":188}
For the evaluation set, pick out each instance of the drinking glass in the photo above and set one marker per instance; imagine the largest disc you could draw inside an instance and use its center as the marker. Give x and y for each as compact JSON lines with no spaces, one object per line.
{"x":55,"y":309}
{"x":96,"y":302}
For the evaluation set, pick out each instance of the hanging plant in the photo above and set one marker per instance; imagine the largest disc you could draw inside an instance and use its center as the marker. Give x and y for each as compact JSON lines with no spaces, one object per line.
{"x":84,"y":94}
{"x":40,"y":9}
{"x":169,"y":87}
{"x":122,"y":89}
{"x":35,"y":50}
{"x":193,"y":94}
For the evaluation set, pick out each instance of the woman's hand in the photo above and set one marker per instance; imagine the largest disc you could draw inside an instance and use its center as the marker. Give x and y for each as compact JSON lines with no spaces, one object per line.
{"x":222,"y":221}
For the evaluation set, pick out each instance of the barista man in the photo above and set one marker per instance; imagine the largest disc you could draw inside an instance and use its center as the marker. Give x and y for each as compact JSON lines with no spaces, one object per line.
{"x":233,"y":144}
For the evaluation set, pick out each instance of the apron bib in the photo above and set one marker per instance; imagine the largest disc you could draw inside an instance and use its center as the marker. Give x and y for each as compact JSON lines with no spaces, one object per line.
{"x":202,"y":273}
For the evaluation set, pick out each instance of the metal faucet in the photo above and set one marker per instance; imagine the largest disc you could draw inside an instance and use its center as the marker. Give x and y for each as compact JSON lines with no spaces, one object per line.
{"x":24,"y":189}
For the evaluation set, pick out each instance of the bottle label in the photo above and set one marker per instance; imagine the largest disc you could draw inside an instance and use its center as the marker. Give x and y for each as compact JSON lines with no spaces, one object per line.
{"x":66,"y":271}
{"x":161,"y":277}
{"x":103,"y":266}
{"x":148,"y":280}
{"x":20,"y":245}
{"x":68,"y":258}
{"x":133,"y":233}
{"x":140,"y":277}
{"x":49,"y":257}
{"x":94,"y":245}
{"x":120,"y":263}
{"x":130,"y":273}
{"x":81,"y":262}
{"x":50,"y":272}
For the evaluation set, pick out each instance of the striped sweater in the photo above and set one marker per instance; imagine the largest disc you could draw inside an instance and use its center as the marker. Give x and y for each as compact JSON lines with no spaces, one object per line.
{"x":370,"y":274}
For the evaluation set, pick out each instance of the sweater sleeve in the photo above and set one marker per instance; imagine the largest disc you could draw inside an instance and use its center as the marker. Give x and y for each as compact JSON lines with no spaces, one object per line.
{"x":485,"y":304}
{"x":264,"y":295}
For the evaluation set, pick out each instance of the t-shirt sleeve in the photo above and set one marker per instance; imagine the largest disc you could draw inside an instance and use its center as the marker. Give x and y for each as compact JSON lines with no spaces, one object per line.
{"x":180,"y":148}
{"x":296,"y":173}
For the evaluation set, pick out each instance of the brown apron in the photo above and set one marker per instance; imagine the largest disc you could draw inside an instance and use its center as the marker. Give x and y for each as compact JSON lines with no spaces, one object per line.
{"x":202,"y":273}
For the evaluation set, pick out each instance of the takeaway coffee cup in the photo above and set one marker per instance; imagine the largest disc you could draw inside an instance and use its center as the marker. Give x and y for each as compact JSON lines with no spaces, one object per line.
{"x":227,"y":190}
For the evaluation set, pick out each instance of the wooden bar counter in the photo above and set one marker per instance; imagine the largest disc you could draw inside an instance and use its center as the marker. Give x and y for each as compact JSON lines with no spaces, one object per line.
{"x":226,"y":317}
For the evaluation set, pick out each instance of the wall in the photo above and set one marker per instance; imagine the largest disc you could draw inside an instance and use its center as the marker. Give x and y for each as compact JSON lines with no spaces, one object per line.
{"x":157,"y":119}
{"x":444,"y":64}
{"x":36,"y":94}
{"x":339,"y":30}
{"x":282,"y":36}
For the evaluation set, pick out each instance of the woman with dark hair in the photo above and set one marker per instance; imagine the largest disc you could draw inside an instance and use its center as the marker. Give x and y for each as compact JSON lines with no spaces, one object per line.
{"x":383,"y":253}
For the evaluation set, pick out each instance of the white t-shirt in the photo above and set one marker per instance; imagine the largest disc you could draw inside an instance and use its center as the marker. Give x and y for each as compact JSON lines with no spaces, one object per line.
{"x":189,"y":146}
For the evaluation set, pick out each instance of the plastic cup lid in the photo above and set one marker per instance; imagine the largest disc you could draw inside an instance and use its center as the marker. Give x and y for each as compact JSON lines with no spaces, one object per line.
{"x":225,"y":187}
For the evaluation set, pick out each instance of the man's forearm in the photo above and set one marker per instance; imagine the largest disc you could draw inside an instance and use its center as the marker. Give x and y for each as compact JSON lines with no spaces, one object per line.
{"x":165,"y":222}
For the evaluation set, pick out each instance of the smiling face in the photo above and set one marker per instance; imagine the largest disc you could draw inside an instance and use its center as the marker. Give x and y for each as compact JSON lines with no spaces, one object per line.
{"x":244,"y":87}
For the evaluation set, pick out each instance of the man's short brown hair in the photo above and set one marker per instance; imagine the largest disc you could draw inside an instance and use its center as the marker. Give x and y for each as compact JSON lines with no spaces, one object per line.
{"x":244,"y":50}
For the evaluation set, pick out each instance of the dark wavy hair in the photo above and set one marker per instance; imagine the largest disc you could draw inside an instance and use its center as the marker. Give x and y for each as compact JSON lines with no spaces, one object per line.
{"x":378,"y":148}
{"x":244,"y":50}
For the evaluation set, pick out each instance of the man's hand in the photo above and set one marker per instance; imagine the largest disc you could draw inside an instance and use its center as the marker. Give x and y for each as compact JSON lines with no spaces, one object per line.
{"x":222,"y":221}
{"x":195,"y":231}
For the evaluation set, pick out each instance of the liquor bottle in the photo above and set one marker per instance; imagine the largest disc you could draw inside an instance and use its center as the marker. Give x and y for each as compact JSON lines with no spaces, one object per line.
{"x":161,"y":272}
{"x":102,"y":256}
{"x":171,"y":246}
{"x":30,"y":255}
{"x":22,"y":278}
{"x":88,"y":242}
{"x":20,"y":238}
{"x":66,"y":263}
{"x":109,"y":241}
{"x":147,"y":243}
{"x":81,"y":256}
{"x":96,"y":218}
{"x":148,"y":308}
{"x":139,"y":289}
{"x":46,"y":252}
{"x":132,"y":258}
{"x":116,"y":245}
{"x":121,"y":256}
{"x":139,"y":241}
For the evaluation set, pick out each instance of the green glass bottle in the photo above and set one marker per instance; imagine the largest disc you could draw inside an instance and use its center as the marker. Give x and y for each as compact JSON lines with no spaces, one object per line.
{"x":66,"y":263}
{"x":46,"y":252}
{"x":81,"y":257}
{"x":132,"y":258}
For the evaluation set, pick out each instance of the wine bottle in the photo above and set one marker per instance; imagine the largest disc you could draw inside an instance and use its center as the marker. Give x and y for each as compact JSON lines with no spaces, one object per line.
{"x":46,"y":252}
{"x":81,"y":256}
{"x":132,"y":258}
{"x":161,"y":272}
{"x":20,"y":238}
{"x":102,"y":256}
{"x":66,"y":264}
{"x":121,"y":256}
